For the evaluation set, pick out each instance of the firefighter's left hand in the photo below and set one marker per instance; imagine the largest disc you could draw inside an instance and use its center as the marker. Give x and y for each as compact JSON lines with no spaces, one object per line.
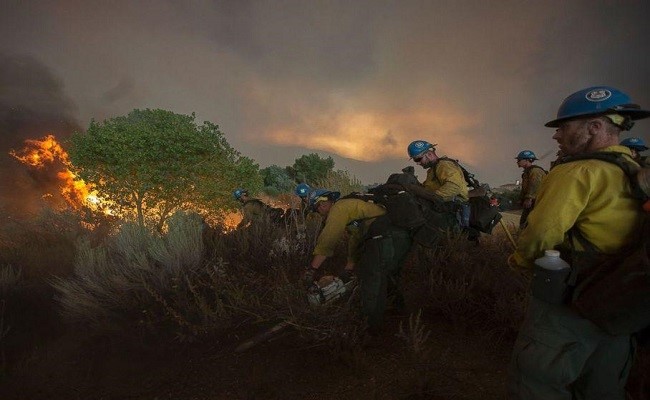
{"x":527,"y":203}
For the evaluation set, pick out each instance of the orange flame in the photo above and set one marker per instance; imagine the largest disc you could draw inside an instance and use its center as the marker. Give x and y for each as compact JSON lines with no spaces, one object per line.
{"x":46,"y":152}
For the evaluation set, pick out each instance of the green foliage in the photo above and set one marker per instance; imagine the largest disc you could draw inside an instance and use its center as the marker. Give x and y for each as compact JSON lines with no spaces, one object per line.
{"x":153,"y":162}
{"x":140,"y":278}
{"x":276,"y":180}
{"x":341,"y":181}
{"x":310,"y":168}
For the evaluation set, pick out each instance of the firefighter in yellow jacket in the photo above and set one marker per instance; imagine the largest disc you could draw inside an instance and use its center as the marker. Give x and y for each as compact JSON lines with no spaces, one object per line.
{"x":376,"y":249}
{"x":445,"y":179}
{"x":559,"y":354}
{"x":531,"y":180}
{"x":637,"y":146}
{"x":444,"y":176}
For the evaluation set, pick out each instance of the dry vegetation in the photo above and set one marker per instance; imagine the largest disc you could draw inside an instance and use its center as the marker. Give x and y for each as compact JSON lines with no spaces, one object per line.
{"x":128,"y":289}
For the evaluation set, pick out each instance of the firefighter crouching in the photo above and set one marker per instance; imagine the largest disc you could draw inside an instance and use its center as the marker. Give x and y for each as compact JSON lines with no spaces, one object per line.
{"x":559,"y":354}
{"x":256,"y":214}
{"x":376,"y":249}
{"x":309,"y":220}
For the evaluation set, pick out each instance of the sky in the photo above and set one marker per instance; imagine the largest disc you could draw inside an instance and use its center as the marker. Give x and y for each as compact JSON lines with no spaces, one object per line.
{"x":355,"y":80}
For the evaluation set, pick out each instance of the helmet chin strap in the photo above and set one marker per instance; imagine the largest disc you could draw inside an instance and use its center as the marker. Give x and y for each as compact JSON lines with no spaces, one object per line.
{"x":627,"y":124}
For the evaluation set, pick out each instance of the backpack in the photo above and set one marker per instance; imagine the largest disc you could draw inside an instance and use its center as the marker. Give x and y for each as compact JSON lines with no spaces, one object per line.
{"x":484,"y":214}
{"x":403,"y":208}
{"x":276,"y":214}
{"x":614,"y":290}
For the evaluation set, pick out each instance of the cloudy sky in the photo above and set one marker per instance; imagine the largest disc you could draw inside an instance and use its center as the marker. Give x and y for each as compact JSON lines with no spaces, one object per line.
{"x":357,"y":80}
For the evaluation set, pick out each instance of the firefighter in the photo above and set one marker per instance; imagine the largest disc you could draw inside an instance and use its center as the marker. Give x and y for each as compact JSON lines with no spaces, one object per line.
{"x":637,"y":146}
{"x":559,"y":354}
{"x":310,"y":220}
{"x":376,"y":250}
{"x":446,"y":180}
{"x":255,"y":212}
{"x":302,"y":191}
{"x":531,"y":179}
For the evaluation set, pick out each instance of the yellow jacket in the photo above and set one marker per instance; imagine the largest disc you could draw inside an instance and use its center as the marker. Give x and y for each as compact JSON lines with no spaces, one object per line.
{"x":531,"y":180}
{"x":341,"y":214}
{"x":593,"y":195}
{"x":446,"y":179}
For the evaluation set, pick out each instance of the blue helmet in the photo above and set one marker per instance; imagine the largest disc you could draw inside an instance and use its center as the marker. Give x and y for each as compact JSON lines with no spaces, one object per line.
{"x":634,"y":143}
{"x":318,"y":195}
{"x":599,"y":100}
{"x":302,"y":190}
{"x":419,"y":147}
{"x":238,"y":193}
{"x":526,"y":155}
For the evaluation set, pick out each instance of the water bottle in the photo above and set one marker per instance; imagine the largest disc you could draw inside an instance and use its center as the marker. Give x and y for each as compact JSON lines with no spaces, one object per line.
{"x":463,"y":215}
{"x":550,"y":277}
{"x":551,"y":260}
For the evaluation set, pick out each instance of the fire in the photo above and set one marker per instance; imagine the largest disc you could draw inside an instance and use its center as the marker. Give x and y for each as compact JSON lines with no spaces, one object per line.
{"x":38,"y":153}
{"x":47,"y":152}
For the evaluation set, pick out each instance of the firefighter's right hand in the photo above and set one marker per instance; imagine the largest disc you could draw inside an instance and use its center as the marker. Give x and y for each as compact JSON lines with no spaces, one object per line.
{"x":310,"y":275}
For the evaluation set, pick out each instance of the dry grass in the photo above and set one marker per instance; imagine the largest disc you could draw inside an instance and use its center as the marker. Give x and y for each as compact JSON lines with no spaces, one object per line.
{"x":196,"y":282}
{"x":469,"y":285}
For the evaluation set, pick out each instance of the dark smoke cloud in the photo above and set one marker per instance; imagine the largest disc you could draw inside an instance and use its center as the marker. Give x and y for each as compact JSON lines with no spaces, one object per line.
{"x":286,"y":78}
{"x":32,"y":105}
{"x":32,"y":102}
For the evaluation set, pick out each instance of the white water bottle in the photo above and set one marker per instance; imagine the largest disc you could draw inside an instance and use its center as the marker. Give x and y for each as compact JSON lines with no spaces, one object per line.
{"x":550,"y":277}
{"x":551,"y":261}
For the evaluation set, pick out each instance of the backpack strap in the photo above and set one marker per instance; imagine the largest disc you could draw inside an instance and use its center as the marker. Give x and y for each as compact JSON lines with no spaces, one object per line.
{"x":629,"y":167}
{"x":537,"y":166}
{"x":470,"y":179}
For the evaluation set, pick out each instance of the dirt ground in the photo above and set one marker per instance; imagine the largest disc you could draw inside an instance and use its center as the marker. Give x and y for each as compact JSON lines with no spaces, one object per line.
{"x":456,"y":364}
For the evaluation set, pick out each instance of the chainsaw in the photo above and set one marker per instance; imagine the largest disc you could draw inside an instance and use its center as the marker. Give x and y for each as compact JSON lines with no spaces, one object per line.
{"x":324,"y":291}
{"x":328,"y":289}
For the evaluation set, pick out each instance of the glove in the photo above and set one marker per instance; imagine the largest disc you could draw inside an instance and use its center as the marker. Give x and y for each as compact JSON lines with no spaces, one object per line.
{"x":310,"y":275}
{"x":347,"y":275}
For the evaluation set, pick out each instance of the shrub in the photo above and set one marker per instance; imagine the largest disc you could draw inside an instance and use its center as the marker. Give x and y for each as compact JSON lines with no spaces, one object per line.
{"x":469,"y":284}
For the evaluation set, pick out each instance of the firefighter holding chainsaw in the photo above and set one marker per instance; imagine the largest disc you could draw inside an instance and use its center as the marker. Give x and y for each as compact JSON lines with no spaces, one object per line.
{"x":376,"y":249}
{"x":586,"y":209}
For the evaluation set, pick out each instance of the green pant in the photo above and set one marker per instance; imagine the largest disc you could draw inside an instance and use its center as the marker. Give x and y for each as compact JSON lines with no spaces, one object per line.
{"x":559,"y":355}
{"x":384,"y":249}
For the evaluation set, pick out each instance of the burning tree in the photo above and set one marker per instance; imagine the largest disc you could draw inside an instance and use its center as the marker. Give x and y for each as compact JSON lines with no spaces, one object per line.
{"x":154,"y":162}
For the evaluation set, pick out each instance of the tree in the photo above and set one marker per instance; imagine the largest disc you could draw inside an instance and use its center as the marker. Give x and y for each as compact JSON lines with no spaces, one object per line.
{"x":310,"y":168}
{"x":276,"y":180}
{"x":154,"y":162}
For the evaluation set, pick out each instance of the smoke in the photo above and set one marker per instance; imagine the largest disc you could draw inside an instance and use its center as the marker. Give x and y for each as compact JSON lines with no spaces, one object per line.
{"x":32,"y":105}
{"x":354,"y":80}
